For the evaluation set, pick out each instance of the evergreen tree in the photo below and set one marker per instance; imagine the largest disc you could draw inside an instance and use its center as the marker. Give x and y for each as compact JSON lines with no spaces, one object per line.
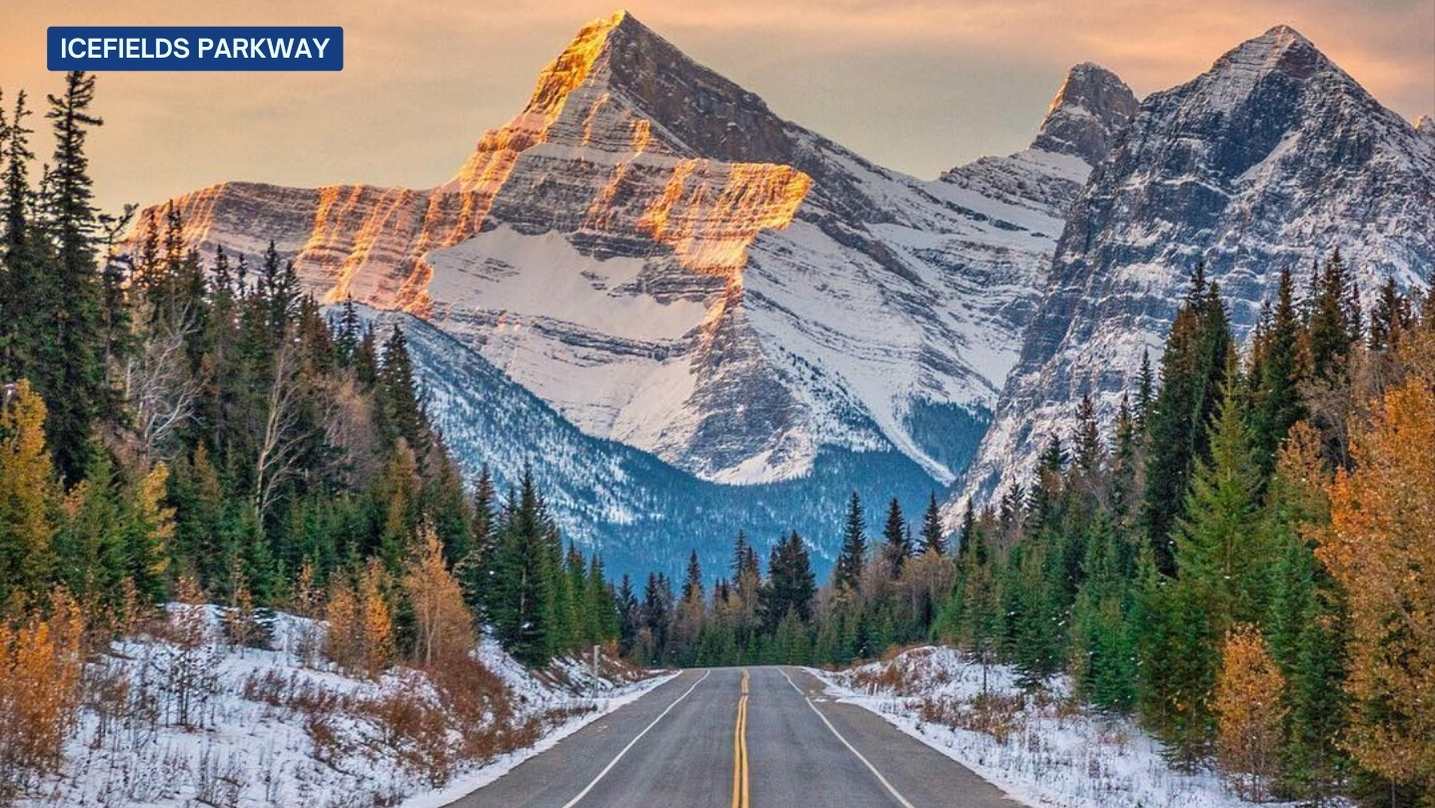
{"x":848,"y":572}
{"x":1088,"y":437}
{"x":790,"y":586}
{"x":23,"y":272}
{"x":521,"y":585}
{"x":1192,"y":370}
{"x":1391,"y":317}
{"x":932,"y":539}
{"x":67,"y":369}
{"x":693,"y":583}
{"x":402,"y":414}
{"x":1276,"y":378}
{"x":896,"y":544}
{"x":1334,"y":326}
{"x":1145,"y":393}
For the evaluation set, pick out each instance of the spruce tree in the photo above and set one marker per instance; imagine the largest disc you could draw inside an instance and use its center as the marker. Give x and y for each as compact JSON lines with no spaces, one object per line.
{"x":847,"y":574}
{"x":790,"y":586}
{"x":1192,"y":370}
{"x":932,"y":539}
{"x":67,"y":369}
{"x":1145,"y":393}
{"x":895,"y":544}
{"x":1276,"y":378}
{"x":693,"y":583}
{"x":1088,"y":437}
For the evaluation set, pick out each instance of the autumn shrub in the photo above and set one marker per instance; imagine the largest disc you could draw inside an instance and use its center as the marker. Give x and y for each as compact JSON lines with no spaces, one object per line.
{"x":41,"y":667}
{"x":361,"y":629}
{"x":1248,"y":707}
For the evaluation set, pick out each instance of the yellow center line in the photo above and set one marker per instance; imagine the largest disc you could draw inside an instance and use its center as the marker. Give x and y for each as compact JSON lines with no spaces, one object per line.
{"x":739,"y":749}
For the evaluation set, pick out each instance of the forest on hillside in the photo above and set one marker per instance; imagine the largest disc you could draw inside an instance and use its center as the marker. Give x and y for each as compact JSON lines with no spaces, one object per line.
{"x":1246,"y":563}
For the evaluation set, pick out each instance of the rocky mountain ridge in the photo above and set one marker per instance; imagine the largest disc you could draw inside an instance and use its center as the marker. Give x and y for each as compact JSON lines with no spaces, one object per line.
{"x":658,"y":256}
{"x":1270,"y":160}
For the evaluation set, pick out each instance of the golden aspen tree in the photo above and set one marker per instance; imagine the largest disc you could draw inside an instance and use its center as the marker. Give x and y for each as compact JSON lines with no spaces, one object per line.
{"x":28,"y":493}
{"x":1380,"y":546}
{"x":445,"y":626}
{"x":343,"y":641}
{"x":376,"y":623}
{"x":1248,"y":706}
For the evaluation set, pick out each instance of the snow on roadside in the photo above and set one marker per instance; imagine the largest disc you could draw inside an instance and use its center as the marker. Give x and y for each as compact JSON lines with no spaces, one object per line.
{"x":1041,"y":751}
{"x":280,"y":726}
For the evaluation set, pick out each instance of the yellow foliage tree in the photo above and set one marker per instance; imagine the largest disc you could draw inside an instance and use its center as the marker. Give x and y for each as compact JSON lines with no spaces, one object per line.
{"x":1380,"y":546}
{"x":445,"y":626}
{"x":376,"y":623}
{"x":153,"y":531}
{"x":41,"y":662}
{"x":1247,"y":703}
{"x":28,"y":494}
{"x":343,"y":643}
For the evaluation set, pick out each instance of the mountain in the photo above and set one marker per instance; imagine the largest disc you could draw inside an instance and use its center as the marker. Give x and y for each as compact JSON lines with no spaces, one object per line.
{"x":1270,"y":160}
{"x":655,"y":254}
{"x":640,"y":513}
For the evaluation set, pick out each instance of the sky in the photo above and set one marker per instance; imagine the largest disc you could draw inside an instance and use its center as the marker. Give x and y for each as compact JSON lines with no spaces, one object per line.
{"x":915,"y":85}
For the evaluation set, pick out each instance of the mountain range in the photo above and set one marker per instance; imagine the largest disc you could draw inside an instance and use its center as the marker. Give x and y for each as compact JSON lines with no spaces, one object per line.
{"x":709,"y":318}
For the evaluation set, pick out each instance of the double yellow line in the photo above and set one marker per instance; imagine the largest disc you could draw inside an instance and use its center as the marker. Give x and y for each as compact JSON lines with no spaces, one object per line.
{"x":739,"y":750}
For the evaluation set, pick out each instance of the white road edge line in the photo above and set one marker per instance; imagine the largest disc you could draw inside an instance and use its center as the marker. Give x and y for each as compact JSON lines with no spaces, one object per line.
{"x":614,"y":761}
{"x":900,"y":799}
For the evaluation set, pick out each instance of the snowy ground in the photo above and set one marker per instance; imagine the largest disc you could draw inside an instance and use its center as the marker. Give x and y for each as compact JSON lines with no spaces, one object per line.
{"x":1042,"y":750}
{"x":283,"y":727}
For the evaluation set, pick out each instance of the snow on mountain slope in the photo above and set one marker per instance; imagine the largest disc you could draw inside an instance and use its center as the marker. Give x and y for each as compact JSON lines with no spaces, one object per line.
{"x":1272,"y":158}
{"x":640,"y":513}
{"x":654,"y":253}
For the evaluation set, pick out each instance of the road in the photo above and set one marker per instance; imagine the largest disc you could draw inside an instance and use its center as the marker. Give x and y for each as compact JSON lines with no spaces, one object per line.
{"x":738,"y":738}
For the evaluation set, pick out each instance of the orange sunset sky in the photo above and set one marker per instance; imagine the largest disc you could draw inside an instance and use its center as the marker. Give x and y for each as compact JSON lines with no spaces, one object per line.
{"x":916,"y":86}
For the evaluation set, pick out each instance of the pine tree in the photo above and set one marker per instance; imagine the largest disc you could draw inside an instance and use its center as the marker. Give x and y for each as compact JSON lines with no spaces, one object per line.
{"x":790,"y":586}
{"x":1334,"y":326}
{"x":23,"y":274}
{"x":1276,"y":378}
{"x":402,"y":414}
{"x":693,"y":583}
{"x":476,"y":569}
{"x":1145,"y":393}
{"x":847,"y":574}
{"x":520,"y":584}
{"x":896,"y":546}
{"x":1088,"y":437}
{"x":67,"y":370}
{"x":932,"y":538}
{"x":1391,"y":317}
{"x":1192,"y":370}
{"x":1220,"y":565}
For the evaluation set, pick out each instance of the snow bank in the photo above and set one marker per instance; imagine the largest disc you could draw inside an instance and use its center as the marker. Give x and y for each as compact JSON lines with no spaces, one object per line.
{"x":1041,"y":749}
{"x":170,"y":724}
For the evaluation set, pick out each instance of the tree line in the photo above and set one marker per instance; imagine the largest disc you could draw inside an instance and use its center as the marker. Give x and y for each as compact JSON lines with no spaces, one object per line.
{"x":177,"y":425}
{"x":1244,"y":564}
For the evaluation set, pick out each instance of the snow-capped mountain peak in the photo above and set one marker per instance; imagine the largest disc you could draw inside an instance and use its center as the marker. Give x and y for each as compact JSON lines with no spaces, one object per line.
{"x":1088,"y":112}
{"x":1271,"y":159}
{"x":650,"y":250}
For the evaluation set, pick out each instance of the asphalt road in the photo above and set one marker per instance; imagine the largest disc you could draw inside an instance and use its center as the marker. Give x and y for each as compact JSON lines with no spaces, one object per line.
{"x":738,"y":738}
